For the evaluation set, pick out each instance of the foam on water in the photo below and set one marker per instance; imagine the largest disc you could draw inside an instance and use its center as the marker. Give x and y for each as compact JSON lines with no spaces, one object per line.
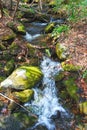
{"x":46,"y":102}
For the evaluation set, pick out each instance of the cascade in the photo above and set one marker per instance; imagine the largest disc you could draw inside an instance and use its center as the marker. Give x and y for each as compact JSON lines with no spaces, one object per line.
{"x":46,"y":102}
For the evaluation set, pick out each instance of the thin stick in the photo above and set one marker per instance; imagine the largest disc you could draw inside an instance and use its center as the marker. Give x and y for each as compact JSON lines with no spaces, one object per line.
{"x":18,"y":105}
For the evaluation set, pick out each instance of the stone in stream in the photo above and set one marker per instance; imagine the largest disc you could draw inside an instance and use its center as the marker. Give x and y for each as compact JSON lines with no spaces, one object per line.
{"x":22,"y":78}
{"x":24,"y":96}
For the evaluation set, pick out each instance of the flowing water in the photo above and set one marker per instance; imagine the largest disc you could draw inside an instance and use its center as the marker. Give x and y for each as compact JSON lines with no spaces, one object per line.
{"x":46,"y":102}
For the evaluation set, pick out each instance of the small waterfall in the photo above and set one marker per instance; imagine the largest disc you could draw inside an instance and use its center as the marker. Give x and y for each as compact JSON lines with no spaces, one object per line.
{"x":30,"y":37}
{"x":45,"y":103}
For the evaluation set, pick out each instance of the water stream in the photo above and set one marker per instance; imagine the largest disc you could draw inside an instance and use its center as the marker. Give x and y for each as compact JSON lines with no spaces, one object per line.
{"x":46,"y":102}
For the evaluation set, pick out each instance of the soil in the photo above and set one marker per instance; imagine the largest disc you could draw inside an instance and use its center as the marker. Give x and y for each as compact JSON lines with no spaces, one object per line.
{"x":76,"y":41}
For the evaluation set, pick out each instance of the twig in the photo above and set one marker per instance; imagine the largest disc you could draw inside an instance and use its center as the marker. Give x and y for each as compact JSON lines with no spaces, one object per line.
{"x":18,"y":105}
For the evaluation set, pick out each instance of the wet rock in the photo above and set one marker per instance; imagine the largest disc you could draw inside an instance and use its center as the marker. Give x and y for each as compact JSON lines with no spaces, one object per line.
{"x":25,"y":119}
{"x":24,"y":96}
{"x":9,"y":67}
{"x":61,"y":51}
{"x":59,"y":76}
{"x":69,"y":66}
{"x":22,"y":78}
{"x":83,"y":107}
{"x":71,"y":88}
{"x":9,"y":123}
{"x":39,"y":127}
{"x":49,"y":28}
{"x":17,"y":27}
{"x":56,"y":115}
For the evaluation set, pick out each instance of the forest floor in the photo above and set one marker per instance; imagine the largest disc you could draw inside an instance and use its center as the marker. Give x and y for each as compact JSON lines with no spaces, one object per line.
{"x":75,"y":40}
{"x":77,"y":43}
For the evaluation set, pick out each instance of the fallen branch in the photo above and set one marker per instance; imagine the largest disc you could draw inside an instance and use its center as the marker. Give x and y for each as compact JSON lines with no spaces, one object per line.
{"x":30,"y":114}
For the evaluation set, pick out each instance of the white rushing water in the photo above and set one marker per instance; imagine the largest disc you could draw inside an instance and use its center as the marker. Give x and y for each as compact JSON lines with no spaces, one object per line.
{"x":30,"y":37}
{"x":45,"y":103}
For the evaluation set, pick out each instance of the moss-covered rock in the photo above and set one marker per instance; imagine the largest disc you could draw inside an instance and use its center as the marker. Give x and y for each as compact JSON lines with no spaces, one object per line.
{"x":24,"y":96}
{"x":9,"y":67}
{"x":59,"y":76}
{"x":49,"y":28}
{"x":7,"y":34}
{"x":6,"y":55}
{"x":25,"y":119}
{"x":83,"y":107}
{"x":14,"y":48}
{"x":22,"y":78}
{"x":2,"y":47}
{"x":61,"y":51}
{"x":2,"y":78}
{"x":31,"y":50}
{"x":51,"y":3}
{"x":67,"y":66}
{"x":71,"y":88}
{"x":21,"y":29}
{"x":17,"y":27}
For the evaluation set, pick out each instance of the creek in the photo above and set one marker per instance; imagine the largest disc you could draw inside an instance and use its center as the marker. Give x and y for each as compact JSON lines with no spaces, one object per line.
{"x":46,"y":104}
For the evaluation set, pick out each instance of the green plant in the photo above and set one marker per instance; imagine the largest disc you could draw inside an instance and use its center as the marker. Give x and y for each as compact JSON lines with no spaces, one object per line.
{"x":74,"y":9}
{"x":59,"y":29}
{"x":57,"y":4}
{"x":84,"y":74}
{"x":77,"y":10}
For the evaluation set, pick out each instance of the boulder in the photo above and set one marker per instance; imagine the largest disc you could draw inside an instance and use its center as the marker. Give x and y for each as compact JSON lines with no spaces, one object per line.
{"x":69,"y":66}
{"x":22,"y":78}
{"x":61,"y":51}
{"x":25,"y":119}
{"x":49,"y":28}
{"x":17,"y":27}
{"x":24,"y":96}
{"x":72,"y":88}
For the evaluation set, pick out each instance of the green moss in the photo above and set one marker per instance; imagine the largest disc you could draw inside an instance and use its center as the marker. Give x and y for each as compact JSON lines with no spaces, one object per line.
{"x":9,"y":67}
{"x":49,"y":28}
{"x":8,"y":35}
{"x":31,"y":50}
{"x":59,"y":76}
{"x":13,"y":48}
{"x":69,"y":67}
{"x":25,"y":119}
{"x":21,"y":29}
{"x":71,"y":88}
{"x":24,"y":96}
{"x":2,"y":78}
{"x":61,"y":51}
{"x":6,"y":55}
{"x":23,"y":78}
{"x":2,"y":47}
{"x":83,"y":107}
{"x":17,"y":27}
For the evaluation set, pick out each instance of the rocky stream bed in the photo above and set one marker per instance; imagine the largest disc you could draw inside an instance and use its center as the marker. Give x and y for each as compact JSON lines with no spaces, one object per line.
{"x":41,"y":87}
